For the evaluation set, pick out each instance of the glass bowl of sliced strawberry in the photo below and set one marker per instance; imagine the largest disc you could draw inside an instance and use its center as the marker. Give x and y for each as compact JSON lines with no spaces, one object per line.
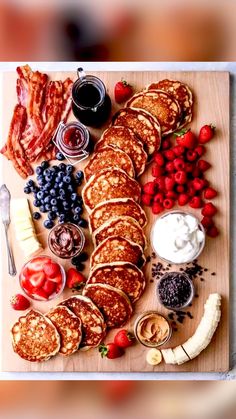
{"x":42,"y":278}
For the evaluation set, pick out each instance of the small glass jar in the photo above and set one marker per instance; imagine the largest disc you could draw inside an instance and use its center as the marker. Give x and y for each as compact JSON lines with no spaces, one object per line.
{"x":186,"y":260}
{"x":170,"y":276}
{"x":73,"y":140}
{"x":63,"y":237}
{"x":151,"y":317}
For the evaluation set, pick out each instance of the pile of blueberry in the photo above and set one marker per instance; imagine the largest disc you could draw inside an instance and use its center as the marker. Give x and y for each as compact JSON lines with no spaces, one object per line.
{"x":56,"y":194}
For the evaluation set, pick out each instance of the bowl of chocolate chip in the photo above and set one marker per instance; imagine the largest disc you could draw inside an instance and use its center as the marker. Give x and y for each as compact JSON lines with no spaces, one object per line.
{"x":66,"y":240}
{"x":175,"y":290}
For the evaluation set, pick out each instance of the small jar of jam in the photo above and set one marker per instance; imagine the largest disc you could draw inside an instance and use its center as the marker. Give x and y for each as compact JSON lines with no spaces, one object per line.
{"x":73,"y":140}
{"x":90,"y":102}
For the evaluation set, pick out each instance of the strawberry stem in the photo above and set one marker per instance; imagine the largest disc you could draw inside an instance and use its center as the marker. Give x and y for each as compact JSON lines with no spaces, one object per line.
{"x":181,"y":132}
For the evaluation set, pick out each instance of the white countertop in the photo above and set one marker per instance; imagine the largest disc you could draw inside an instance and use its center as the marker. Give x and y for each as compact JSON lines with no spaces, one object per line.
{"x":149,"y":66}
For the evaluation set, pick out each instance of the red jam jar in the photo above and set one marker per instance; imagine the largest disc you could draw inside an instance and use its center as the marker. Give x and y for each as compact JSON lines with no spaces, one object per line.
{"x":73,"y":140}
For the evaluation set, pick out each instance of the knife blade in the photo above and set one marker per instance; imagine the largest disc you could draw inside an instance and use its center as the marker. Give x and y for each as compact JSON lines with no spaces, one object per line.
{"x":5,"y":199}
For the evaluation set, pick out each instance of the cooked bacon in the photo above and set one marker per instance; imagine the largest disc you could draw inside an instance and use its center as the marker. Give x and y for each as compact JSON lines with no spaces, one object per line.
{"x":67,"y":88}
{"x":15,"y":151}
{"x":41,"y":106}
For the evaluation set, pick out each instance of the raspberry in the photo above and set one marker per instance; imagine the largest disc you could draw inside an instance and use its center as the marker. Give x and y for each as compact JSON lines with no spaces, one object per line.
{"x":209,"y":209}
{"x":160,"y":183}
{"x":179,"y":164}
{"x":156,"y":170}
{"x":203,"y":165}
{"x":170,"y":167}
{"x":159,"y":159}
{"x":198,"y":184}
{"x":196,"y":172}
{"x":207,"y":222}
{"x":200,"y":150}
{"x":157,"y":208}
{"x":165,"y":144}
{"x":213,"y":232}
{"x":191,"y":191}
{"x":180,"y":177}
{"x":159,"y":197}
{"x":149,"y":188}
{"x":191,"y":155}
{"x":210,"y":193}
{"x":146,"y":200}
{"x":178,"y":150}
{"x":183,"y":199}
{"x":169,"y":183}
{"x":195,"y":202}
{"x":171,"y":195}
{"x":169,"y":155}
{"x":188,"y":167}
{"x":180,"y":189}
{"x":168,"y":203}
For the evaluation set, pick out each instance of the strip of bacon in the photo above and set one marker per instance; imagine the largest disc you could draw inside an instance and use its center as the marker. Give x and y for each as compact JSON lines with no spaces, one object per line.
{"x":37,"y":84}
{"x":15,"y":151}
{"x":67,"y":89}
{"x":22,"y":89}
{"x":54,"y":112}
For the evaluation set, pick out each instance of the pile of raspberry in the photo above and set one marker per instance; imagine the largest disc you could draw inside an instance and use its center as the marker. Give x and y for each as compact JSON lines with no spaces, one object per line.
{"x":179,"y":178}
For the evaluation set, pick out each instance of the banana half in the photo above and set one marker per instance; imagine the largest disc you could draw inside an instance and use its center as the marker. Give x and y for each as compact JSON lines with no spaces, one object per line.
{"x":202,"y":336}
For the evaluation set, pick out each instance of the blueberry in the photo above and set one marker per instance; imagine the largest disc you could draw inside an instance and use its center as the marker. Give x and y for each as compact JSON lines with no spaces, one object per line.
{"x":41,"y":182}
{"x":47,"y":199}
{"x":60,"y":156}
{"x":83,"y":223}
{"x":61,"y":185}
{"x":54,"y":208}
{"x":60,"y":174}
{"x":78,"y":210}
{"x":55,"y":168}
{"x":48,"y":178}
{"x":78,"y":182}
{"x":34,"y":189}
{"x":40,"y":195}
{"x":67,"y":179}
{"x":70,"y":188}
{"x":83,"y":257}
{"x":37,"y":203}
{"x":66,"y":205}
{"x":48,"y":207}
{"x":46,"y":172}
{"x":27,"y":190}
{"x":75,"y":261}
{"x":79,"y":175}
{"x":53,"y":192}
{"x":53,"y":201}
{"x":57,"y":180}
{"x":73,"y":197}
{"x":76,"y":218}
{"x":69,"y":169}
{"x":52,"y":215}
{"x":80,"y":267}
{"x":42,"y":208}
{"x":62,"y":167}
{"x":36,"y":215}
{"x":62,"y":218}
{"x":48,"y":224}
{"x":30,"y":183}
{"x":39,"y":170}
{"x":80,"y":201}
{"x":62,"y":197}
{"x":44,"y":164}
{"x":47,"y":186}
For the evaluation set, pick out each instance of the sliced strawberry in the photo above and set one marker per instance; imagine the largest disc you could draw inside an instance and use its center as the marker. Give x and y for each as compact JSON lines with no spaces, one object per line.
{"x":57,"y":279}
{"x":49,"y":287}
{"x":37,"y":279}
{"x":37,"y":264}
{"x":40,"y":294}
{"x":26,"y":285}
{"x":51,"y":269}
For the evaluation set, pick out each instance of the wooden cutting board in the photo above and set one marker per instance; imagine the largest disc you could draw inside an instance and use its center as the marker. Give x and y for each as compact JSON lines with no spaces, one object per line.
{"x":211,"y":91}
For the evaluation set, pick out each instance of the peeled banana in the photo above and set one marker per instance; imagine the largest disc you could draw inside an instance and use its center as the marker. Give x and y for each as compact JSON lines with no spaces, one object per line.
{"x":202,"y":336}
{"x":153,"y":356}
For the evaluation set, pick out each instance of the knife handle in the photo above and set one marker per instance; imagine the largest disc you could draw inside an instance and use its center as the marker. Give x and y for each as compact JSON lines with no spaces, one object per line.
{"x":11,"y":262}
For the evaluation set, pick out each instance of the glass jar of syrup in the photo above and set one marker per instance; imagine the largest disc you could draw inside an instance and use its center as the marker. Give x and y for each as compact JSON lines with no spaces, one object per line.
{"x":91,"y":104}
{"x":73,"y":140}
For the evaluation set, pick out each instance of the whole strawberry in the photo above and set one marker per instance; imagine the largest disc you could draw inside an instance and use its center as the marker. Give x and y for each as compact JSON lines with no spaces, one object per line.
{"x":122,"y":91}
{"x":19,"y":302}
{"x":74,"y":279}
{"x":186,"y":138}
{"x":110,"y":351}
{"x":124,"y":339}
{"x":206,"y":134}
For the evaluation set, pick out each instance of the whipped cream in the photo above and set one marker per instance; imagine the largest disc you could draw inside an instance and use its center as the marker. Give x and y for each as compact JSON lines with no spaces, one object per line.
{"x":177,"y":237}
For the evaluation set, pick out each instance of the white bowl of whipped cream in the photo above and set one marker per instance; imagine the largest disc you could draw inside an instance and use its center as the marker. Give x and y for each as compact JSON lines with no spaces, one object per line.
{"x":178,"y":237}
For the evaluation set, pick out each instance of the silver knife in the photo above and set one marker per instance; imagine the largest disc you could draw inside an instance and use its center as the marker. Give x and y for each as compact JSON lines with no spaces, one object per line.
{"x":5,"y":199}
